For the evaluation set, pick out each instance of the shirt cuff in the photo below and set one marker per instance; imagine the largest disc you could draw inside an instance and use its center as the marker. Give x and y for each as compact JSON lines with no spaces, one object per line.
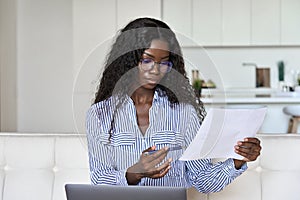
{"x":230,"y":168}
{"x":142,"y":182}
{"x":121,"y":178}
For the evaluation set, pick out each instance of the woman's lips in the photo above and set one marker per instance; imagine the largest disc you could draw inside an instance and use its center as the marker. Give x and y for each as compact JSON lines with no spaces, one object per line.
{"x":152,"y":81}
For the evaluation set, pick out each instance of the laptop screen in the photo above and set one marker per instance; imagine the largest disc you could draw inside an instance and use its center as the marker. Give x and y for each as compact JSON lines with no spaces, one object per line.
{"x":109,"y":192}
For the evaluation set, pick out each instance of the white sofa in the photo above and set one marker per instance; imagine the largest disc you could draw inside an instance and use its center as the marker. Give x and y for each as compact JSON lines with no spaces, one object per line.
{"x":37,"y":166}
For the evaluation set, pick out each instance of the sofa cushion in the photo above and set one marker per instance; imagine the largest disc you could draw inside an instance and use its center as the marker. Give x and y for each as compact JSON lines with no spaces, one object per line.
{"x":71,"y":152}
{"x":240,"y":188}
{"x":2,"y":159}
{"x":193,"y":194}
{"x":278,"y":185}
{"x":33,"y":184}
{"x":29,"y":152}
{"x":1,"y":182}
{"x":280,"y":152}
{"x":62,"y":177}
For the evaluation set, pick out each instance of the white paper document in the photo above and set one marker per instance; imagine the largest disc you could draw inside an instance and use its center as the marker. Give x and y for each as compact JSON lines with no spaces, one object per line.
{"x":220,"y":131}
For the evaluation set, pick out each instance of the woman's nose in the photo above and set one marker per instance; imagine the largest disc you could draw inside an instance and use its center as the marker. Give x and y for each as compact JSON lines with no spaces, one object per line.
{"x":155,"y":69}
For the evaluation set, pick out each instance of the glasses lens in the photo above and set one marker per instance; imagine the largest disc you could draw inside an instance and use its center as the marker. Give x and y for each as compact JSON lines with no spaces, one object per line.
{"x":165,"y":66}
{"x":147,"y":63}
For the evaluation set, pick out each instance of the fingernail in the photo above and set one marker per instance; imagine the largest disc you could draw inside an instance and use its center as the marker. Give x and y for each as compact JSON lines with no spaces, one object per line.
{"x":170,"y":159}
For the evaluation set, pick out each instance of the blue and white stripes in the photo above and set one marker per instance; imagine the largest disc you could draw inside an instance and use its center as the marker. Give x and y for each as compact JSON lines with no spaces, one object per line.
{"x":169,"y":126}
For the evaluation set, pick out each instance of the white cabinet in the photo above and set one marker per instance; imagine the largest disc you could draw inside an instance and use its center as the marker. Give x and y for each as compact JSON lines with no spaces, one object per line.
{"x":130,"y":10}
{"x":178,"y":15}
{"x":207,"y":22}
{"x":265,"y":18}
{"x":290,"y":22}
{"x":236,"y":22}
{"x":221,"y":22}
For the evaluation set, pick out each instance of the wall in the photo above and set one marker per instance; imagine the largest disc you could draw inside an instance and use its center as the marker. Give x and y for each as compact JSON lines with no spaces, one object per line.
{"x":228,"y":62}
{"x":44,"y":66}
{"x":8,"y":65}
{"x":94,"y":25}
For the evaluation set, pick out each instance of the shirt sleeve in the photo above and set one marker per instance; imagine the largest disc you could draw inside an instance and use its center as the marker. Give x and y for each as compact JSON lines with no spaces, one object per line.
{"x":204,"y":175}
{"x":207,"y":177}
{"x":100,"y":160}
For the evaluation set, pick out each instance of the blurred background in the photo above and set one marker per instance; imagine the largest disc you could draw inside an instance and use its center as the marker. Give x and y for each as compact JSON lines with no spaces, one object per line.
{"x":52,"y":52}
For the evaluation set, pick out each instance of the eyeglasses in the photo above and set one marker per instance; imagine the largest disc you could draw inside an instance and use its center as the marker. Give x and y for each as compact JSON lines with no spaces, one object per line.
{"x":147,"y":64}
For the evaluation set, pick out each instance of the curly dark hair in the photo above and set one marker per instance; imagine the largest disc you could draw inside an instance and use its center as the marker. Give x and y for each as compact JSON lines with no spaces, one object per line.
{"x":125,"y":55}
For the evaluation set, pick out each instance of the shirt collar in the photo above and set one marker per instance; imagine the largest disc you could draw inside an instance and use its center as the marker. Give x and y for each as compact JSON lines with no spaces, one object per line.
{"x":155,"y":96}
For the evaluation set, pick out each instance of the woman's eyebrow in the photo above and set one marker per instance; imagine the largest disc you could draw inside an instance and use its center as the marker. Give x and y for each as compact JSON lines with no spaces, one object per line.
{"x":154,"y":57}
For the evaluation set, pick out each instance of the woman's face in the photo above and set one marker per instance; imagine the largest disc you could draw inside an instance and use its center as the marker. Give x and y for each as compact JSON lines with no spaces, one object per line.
{"x":158,"y":52}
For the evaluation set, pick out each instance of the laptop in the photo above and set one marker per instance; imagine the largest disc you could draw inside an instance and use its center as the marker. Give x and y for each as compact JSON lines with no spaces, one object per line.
{"x":110,"y":192}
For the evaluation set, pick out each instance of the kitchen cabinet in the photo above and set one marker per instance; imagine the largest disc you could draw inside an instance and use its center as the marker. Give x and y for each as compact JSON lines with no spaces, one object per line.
{"x":129,"y":10}
{"x":236,"y":22}
{"x":265,"y":18}
{"x":290,"y":22}
{"x":178,"y":15}
{"x":207,"y":22}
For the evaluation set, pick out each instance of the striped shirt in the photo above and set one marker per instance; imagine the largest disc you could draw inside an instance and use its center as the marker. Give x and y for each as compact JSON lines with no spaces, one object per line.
{"x":170,"y":126}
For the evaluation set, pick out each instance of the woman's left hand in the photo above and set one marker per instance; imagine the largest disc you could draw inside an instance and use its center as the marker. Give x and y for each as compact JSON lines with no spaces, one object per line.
{"x":249,"y":148}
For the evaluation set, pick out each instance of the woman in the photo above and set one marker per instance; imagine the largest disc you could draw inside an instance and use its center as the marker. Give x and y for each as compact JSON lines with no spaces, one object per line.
{"x":145,"y":113}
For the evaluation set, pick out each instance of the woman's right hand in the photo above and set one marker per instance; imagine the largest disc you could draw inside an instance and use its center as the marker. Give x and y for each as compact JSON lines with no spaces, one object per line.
{"x":149,"y":166}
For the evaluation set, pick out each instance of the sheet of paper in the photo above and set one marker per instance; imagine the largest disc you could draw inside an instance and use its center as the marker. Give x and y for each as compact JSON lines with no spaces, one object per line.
{"x":220,"y":131}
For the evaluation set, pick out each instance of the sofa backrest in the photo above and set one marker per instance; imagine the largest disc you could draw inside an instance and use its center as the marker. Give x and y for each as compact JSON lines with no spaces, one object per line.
{"x":37,"y":166}
{"x":274,"y":176}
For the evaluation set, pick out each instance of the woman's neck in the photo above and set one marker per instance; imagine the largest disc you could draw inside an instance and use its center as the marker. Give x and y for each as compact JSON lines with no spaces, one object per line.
{"x":142,"y":96}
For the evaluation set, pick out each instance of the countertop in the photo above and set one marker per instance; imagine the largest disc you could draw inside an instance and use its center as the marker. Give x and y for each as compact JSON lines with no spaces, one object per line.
{"x":241,"y":100}
{"x":251,"y":95}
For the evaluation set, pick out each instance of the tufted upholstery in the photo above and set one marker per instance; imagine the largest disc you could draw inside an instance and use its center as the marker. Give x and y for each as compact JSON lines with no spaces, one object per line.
{"x":37,"y":166}
{"x":274,"y":176}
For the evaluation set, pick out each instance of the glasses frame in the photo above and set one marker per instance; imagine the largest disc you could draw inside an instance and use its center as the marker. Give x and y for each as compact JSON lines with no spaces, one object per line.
{"x":170,"y":65}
